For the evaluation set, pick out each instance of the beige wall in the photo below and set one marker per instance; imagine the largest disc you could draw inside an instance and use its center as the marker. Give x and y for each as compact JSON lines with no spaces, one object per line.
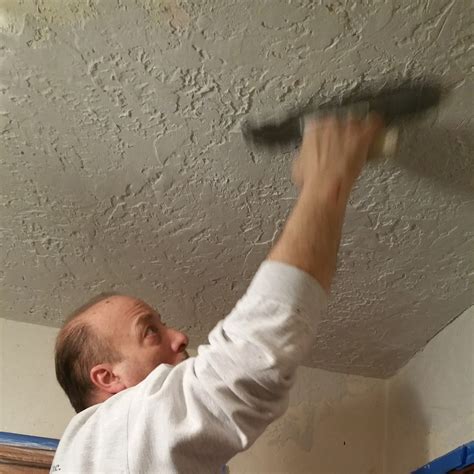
{"x":335,"y":423}
{"x":430,"y":406}
{"x":333,"y":426}
{"x":33,"y":403}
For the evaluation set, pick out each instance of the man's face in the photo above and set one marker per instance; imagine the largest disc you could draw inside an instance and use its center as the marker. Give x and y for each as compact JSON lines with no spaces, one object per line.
{"x":138,"y":333}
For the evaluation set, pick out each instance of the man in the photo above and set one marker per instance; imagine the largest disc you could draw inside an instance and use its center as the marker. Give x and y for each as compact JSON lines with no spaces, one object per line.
{"x":144,"y":406}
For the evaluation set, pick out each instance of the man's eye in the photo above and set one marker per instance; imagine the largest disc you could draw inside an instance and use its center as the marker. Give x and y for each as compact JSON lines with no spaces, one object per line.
{"x":151,"y":331}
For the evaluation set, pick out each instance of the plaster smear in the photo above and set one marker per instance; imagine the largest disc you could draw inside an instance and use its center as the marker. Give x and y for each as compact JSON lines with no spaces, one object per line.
{"x":53,"y":13}
{"x":48,"y":12}
{"x":123,"y":167}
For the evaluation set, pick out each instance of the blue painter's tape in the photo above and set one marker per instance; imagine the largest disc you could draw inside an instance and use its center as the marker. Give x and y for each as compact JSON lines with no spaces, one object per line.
{"x":25,"y":441}
{"x":458,"y":458}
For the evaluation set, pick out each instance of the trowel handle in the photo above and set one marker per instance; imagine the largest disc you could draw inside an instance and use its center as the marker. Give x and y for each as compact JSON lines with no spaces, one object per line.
{"x":385,"y":145}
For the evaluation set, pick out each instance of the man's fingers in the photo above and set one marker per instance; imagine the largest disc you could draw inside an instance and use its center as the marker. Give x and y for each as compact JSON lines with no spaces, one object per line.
{"x":312,"y":124}
{"x":373,"y":124}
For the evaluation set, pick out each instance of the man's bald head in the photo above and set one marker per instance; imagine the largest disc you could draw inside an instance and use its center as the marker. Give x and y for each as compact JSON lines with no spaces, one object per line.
{"x":110,"y":344}
{"x":79,"y":347}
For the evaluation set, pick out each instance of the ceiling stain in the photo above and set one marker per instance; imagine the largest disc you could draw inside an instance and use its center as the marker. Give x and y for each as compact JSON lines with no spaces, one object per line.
{"x":123,"y":166}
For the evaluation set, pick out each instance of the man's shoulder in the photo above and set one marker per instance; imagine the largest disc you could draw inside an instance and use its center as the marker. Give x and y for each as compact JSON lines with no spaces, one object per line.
{"x":97,"y":430}
{"x":116,"y":407}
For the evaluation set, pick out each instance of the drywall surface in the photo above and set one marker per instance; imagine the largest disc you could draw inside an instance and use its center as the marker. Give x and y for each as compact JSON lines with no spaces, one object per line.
{"x":334,"y":421}
{"x":334,"y":425}
{"x":32,"y":402}
{"x":430,"y":405}
{"x":123,"y":166}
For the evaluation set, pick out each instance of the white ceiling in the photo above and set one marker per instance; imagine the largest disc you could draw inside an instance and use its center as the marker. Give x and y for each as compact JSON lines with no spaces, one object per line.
{"x":123,"y":167}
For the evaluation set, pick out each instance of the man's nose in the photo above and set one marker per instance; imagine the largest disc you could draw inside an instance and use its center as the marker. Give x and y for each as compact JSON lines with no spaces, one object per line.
{"x":179,"y":341}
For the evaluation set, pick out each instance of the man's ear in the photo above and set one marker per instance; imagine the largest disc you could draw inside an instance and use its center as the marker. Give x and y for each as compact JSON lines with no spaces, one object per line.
{"x":105,"y":380}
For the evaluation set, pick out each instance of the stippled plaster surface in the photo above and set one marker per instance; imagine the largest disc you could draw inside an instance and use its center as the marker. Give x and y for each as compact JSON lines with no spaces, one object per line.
{"x":123,"y":167}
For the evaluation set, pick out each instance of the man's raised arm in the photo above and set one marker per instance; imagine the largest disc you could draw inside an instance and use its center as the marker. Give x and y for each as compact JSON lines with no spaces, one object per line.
{"x":239,"y":383}
{"x":331,"y":158}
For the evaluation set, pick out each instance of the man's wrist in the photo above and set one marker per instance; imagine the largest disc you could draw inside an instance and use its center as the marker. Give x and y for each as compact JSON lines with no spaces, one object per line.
{"x":332,"y":192}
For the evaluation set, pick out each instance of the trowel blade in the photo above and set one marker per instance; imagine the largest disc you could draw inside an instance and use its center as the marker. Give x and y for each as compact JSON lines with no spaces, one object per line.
{"x":394,"y":103}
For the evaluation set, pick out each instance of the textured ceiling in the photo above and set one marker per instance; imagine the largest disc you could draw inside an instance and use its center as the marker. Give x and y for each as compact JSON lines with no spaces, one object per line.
{"x":123,"y":167}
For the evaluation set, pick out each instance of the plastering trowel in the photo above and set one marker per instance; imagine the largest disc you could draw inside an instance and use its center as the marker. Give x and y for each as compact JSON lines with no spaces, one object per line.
{"x":394,"y":103}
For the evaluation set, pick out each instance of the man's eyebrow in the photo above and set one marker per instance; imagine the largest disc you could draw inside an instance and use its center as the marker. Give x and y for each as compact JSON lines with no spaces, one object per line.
{"x":143,"y":319}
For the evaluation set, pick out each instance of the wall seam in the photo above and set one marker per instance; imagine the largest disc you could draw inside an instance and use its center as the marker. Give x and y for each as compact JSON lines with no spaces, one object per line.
{"x":386,"y":401}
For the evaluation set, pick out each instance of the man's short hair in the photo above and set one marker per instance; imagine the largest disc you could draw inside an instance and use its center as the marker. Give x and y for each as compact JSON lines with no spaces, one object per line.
{"x":78,"y":349}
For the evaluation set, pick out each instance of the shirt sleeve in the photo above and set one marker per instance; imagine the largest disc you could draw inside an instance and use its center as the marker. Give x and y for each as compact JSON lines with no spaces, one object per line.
{"x":202,"y":412}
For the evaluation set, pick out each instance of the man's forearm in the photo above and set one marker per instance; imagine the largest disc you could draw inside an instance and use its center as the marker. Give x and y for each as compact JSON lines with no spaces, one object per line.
{"x":311,"y":237}
{"x":331,"y":158}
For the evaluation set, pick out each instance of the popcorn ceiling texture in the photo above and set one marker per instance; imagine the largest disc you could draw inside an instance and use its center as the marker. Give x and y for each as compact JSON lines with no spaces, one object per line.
{"x":123,"y":167}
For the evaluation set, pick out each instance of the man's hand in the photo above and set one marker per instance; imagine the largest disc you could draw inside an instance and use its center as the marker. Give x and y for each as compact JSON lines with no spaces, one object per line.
{"x":331,"y":158}
{"x":333,"y":153}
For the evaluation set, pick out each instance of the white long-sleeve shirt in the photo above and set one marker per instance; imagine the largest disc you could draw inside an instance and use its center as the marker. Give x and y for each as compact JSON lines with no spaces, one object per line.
{"x":194,"y":417}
